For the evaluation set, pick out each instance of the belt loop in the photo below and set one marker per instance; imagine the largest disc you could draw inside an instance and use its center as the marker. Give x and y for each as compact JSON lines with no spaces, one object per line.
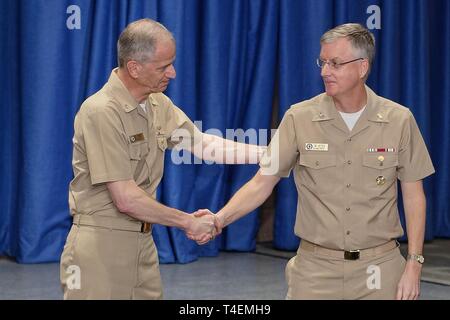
{"x":146,"y":227}
{"x":77,"y":218}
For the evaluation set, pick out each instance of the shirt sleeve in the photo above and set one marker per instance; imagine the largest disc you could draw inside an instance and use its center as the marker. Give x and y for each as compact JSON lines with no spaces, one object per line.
{"x":180,"y":128}
{"x":282,"y":152}
{"x":106,"y":146}
{"x":414,"y":160}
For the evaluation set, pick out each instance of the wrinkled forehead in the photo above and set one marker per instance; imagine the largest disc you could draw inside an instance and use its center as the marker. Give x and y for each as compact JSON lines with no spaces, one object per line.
{"x":164,"y":50}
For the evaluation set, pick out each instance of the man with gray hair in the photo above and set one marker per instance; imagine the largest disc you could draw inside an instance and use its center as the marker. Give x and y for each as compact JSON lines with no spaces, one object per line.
{"x":347,"y":148}
{"x":121,"y":134}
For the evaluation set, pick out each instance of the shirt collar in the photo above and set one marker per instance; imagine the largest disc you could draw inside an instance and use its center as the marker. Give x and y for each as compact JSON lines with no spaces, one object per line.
{"x":374,"y":111}
{"x":118,"y":90}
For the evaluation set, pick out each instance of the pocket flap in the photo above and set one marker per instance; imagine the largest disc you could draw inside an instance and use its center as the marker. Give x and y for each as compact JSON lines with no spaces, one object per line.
{"x":135,"y":150}
{"x":380,"y":161}
{"x":317,"y":161}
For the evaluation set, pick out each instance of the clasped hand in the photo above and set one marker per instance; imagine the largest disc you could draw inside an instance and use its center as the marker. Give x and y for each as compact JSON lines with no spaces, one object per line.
{"x":204,"y":227}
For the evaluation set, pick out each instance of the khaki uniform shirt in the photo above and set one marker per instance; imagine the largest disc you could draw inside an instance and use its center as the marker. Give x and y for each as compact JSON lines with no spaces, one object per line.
{"x":347,"y":181}
{"x":115,"y":139}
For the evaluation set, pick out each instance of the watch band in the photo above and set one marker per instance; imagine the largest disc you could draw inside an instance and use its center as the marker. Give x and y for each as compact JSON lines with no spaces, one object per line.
{"x":416,"y":257}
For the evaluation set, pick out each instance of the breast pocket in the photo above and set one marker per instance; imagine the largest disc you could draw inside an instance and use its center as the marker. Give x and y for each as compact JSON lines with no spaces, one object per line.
{"x":137,"y":152}
{"x":318,"y":171}
{"x":379,"y":170}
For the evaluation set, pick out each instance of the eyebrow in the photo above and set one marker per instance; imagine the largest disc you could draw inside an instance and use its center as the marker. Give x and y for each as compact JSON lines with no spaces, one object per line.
{"x":165,"y":66}
{"x":334,"y":58}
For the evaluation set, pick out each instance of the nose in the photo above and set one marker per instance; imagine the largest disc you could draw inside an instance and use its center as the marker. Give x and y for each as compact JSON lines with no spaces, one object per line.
{"x":325,"y":71}
{"x":171,"y":73}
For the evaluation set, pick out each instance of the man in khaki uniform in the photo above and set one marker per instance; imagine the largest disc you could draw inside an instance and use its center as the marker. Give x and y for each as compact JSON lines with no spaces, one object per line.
{"x":347,"y":148}
{"x":121,"y":134}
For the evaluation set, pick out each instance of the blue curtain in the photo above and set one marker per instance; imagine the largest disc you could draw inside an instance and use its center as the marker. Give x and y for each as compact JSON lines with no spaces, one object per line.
{"x":230,"y":57}
{"x":226,"y":58}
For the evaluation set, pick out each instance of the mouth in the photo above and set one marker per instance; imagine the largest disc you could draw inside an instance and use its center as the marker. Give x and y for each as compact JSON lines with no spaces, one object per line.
{"x":328,"y":83}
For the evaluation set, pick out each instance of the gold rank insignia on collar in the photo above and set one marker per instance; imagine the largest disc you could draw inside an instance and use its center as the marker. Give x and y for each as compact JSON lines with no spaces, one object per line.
{"x":137,"y":137}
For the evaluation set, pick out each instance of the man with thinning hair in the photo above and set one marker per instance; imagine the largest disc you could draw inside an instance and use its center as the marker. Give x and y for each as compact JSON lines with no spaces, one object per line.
{"x":121,"y":134}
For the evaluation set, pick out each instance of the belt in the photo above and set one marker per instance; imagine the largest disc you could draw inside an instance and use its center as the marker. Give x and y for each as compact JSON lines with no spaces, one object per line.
{"x":351,"y":254}
{"x":112,"y":223}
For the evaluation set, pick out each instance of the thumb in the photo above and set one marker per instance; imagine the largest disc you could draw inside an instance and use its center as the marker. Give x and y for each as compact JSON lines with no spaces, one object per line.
{"x":201,"y":213}
{"x":399,"y":293}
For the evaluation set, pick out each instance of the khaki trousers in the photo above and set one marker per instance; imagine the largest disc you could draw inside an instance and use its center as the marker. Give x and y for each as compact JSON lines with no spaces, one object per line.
{"x":103,"y":263}
{"x":314,"y":274}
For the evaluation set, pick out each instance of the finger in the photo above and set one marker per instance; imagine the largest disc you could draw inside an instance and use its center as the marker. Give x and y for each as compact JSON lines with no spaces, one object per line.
{"x":201,"y":212}
{"x":203,"y":240}
{"x":190,"y":236}
{"x":399,"y":293}
{"x":406,"y":295}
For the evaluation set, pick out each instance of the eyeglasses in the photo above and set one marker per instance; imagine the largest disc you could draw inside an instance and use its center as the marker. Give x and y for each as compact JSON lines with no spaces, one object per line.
{"x":334,"y":64}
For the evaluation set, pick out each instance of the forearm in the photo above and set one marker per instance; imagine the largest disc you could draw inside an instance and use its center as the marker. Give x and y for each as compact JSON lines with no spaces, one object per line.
{"x":135,"y":202}
{"x":226,"y":151}
{"x":145,"y":208}
{"x":248,"y":198}
{"x":415,"y":213}
{"x":415,"y":207}
{"x":415,"y":223}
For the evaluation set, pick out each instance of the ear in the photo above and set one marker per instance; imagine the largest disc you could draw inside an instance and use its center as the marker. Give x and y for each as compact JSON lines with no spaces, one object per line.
{"x":133,"y":69}
{"x":364,"y":68}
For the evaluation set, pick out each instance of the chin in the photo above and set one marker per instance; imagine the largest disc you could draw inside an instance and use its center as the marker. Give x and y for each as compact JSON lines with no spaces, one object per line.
{"x":330,"y":92}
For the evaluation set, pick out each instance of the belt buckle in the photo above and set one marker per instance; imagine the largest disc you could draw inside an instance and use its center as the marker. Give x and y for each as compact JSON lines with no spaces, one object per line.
{"x":351,"y":255}
{"x":145,"y":227}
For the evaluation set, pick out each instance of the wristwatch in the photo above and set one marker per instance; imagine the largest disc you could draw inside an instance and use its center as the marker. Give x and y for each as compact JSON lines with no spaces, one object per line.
{"x":416,"y":257}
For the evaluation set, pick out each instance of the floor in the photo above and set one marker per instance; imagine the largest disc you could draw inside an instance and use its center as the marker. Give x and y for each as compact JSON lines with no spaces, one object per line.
{"x":231,"y":275}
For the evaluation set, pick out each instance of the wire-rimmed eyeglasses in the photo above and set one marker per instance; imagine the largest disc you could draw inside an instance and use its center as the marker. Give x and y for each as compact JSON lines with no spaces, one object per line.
{"x":334,"y":64}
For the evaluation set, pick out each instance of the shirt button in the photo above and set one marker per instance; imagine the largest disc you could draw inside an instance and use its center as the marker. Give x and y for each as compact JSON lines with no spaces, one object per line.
{"x":317,"y":163}
{"x":348,"y":209}
{"x":349,"y":140}
{"x":349,"y":161}
{"x":348,"y":232}
{"x":348,"y":185}
{"x":158,"y":128}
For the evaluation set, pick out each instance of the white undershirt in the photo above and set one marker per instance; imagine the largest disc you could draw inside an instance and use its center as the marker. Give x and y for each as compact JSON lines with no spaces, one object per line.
{"x":143,"y":106}
{"x":351,"y":118}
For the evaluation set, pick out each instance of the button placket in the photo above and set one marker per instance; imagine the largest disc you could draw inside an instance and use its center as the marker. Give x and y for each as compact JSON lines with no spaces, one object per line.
{"x":348,"y":174}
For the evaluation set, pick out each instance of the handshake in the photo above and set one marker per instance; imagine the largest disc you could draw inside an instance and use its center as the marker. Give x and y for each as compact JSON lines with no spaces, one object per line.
{"x":204,"y":226}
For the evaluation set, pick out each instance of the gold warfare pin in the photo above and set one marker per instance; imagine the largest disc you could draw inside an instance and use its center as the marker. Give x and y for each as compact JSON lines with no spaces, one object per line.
{"x":380,"y":180}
